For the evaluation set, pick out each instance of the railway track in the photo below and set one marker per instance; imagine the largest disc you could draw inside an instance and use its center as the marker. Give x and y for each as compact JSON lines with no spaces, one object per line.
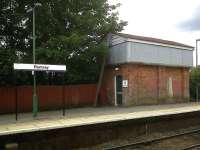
{"x":152,"y":141}
{"x":191,"y":147}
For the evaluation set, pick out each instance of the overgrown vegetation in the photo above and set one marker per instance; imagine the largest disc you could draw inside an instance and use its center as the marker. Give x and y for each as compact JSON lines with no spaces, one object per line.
{"x":68,"y":32}
{"x":194,"y":82}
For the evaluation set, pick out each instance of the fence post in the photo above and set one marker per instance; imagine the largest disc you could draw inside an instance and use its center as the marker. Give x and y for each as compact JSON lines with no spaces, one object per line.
{"x":16,"y":96}
{"x":197,"y":93}
{"x":63,"y":95}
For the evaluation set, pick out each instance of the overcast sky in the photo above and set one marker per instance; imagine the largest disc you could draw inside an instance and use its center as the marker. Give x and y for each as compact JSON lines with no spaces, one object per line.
{"x":176,"y":20}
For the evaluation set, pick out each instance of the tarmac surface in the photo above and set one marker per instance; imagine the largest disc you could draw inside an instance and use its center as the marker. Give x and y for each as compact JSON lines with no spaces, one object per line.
{"x":87,"y":116}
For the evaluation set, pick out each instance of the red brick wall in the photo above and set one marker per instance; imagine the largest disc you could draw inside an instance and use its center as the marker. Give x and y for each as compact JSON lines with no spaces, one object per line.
{"x":148,"y":84}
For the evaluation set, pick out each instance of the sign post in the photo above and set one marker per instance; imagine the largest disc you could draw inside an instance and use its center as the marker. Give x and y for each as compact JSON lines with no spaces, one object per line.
{"x":16,"y":96}
{"x":35,"y":98}
{"x":38,"y":67}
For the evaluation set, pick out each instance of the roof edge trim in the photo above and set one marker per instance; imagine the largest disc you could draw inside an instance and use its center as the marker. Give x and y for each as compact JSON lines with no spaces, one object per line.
{"x":159,"y":44}
{"x":153,"y":41}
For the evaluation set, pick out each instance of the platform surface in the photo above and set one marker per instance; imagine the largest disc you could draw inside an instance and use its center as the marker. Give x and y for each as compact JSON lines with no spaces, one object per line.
{"x":87,"y":116}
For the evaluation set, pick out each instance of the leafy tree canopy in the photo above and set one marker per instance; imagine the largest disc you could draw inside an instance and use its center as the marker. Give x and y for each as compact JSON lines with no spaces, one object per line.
{"x":194,"y":82}
{"x":68,"y":32}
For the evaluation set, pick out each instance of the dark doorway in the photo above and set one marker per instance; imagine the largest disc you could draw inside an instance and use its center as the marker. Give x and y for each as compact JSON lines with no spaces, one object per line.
{"x":118,"y":89}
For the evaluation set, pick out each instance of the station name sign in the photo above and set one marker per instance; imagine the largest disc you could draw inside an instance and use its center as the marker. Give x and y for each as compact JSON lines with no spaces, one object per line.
{"x":39,"y":67}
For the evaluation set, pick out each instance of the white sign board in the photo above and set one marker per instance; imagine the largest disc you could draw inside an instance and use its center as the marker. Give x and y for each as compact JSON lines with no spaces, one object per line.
{"x":125,"y":83}
{"x":40,"y":67}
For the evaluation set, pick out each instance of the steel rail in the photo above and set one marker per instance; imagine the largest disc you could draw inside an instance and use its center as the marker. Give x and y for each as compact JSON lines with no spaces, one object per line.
{"x":191,"y":147}
{"x":146,"y":142}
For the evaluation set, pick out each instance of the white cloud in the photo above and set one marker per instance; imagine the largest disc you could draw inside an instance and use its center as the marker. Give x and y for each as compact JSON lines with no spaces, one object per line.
{"x":193,"y":23}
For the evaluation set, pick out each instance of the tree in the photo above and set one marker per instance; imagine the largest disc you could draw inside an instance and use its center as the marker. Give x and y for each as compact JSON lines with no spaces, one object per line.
{"x":68,"y":32}
{"x":194,"y":82}
{"x":13,"y":37}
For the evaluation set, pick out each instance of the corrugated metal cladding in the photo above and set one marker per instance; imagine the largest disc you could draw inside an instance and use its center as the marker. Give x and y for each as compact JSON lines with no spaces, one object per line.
{"x":149,"y":54}
{"x":117,"y":40}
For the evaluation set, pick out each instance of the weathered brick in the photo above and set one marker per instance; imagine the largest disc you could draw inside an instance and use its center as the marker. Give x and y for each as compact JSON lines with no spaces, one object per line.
{"x":148,"y":84}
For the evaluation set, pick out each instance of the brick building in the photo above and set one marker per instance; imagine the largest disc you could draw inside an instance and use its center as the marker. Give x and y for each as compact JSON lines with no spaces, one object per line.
{"x":143,"y":70}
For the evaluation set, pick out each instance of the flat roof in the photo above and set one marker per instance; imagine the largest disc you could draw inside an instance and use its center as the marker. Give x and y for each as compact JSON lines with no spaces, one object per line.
{"x":150,"y":39}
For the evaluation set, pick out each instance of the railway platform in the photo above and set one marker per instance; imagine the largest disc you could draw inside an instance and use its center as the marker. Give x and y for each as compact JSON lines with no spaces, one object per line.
{"x":50,"y":120}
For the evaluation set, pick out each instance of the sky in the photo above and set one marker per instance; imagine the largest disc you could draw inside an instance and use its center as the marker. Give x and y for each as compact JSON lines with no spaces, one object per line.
{"x":175,"y":20}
